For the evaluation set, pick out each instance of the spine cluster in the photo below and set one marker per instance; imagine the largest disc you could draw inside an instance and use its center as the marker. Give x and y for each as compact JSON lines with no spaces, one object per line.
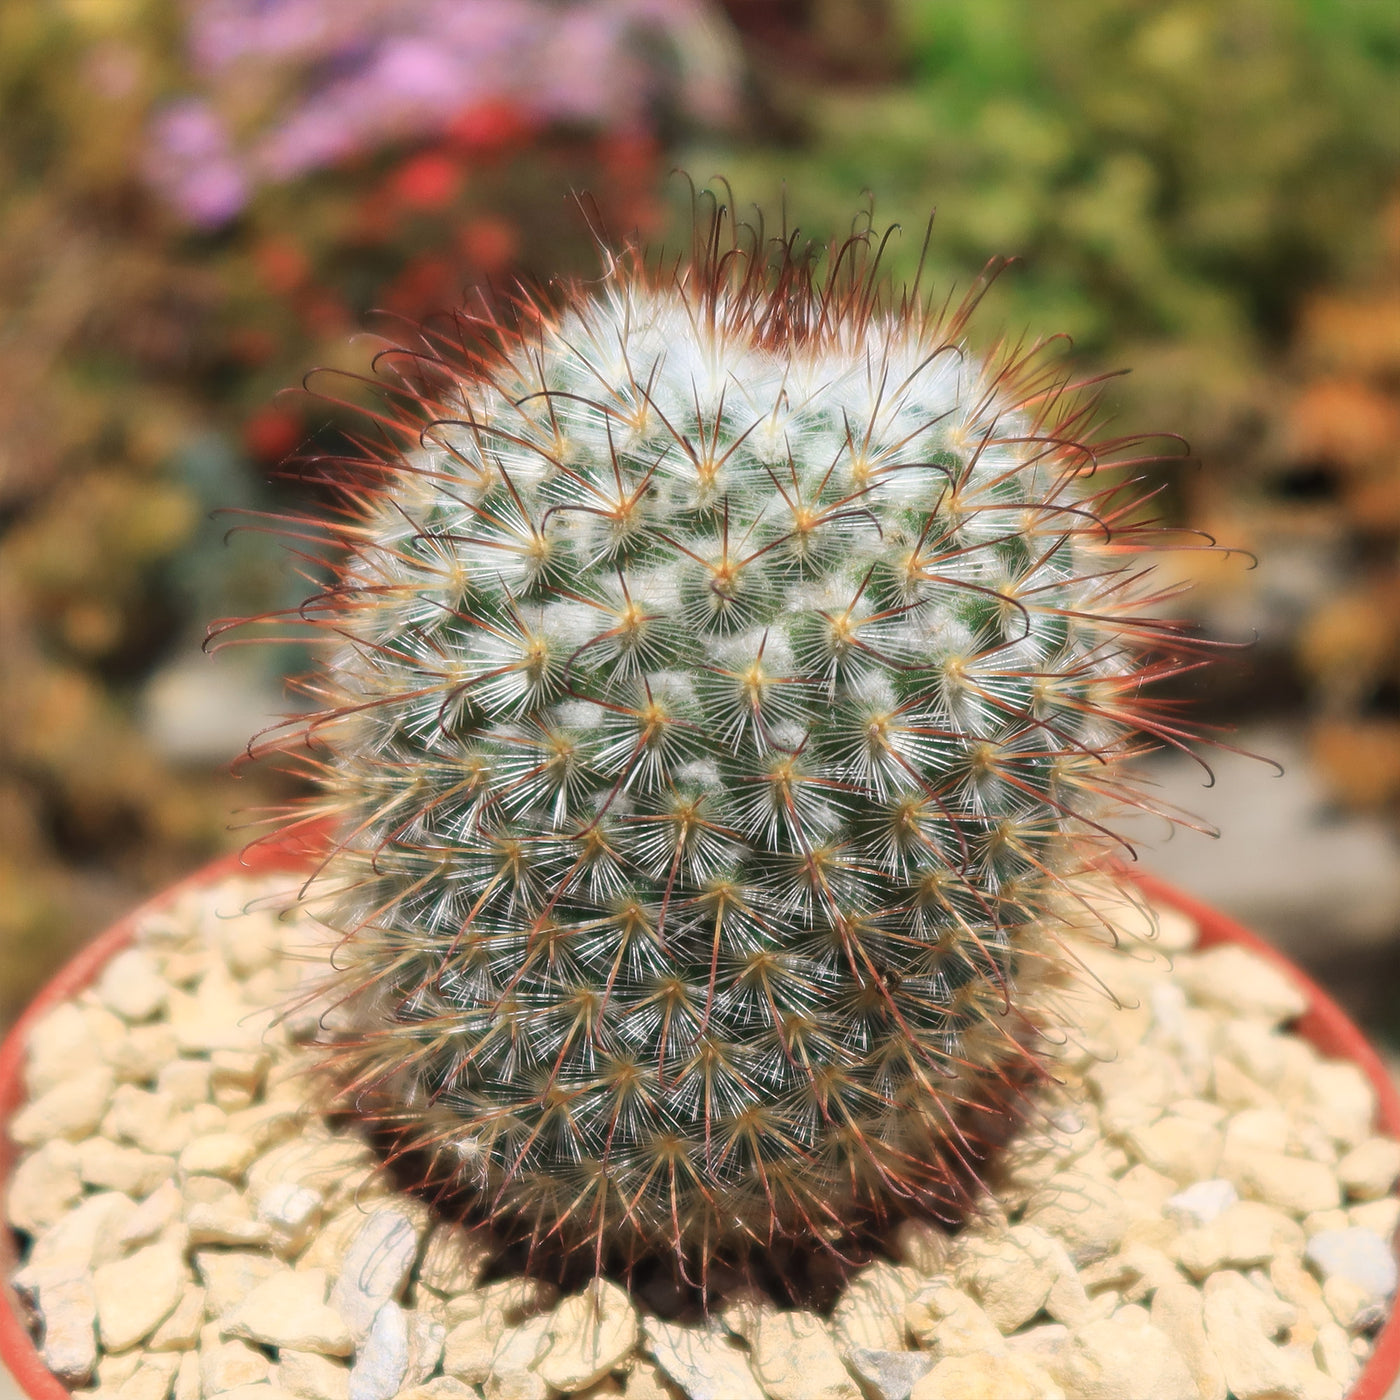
{"x":729,"y":667}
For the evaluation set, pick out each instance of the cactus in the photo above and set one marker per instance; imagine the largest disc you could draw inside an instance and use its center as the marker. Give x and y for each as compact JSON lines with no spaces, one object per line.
{"x":730,"y":669}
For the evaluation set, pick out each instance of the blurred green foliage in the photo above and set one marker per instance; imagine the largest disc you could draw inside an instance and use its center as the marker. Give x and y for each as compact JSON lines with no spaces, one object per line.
{"x":1174,"y":177}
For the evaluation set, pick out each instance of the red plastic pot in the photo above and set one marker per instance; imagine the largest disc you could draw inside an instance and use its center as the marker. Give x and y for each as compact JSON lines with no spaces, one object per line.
{"x":1325,"y":1025}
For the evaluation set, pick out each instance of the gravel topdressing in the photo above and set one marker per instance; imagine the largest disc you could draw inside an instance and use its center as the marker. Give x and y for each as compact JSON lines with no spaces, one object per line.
{"x":1203,"y":1210}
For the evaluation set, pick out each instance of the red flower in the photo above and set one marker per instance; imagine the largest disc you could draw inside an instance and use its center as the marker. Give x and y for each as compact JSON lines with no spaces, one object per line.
{"x":488,"y":128}
{"x":490,"y":244}
{"x":429,"y":180}
{"x":271,"y":434}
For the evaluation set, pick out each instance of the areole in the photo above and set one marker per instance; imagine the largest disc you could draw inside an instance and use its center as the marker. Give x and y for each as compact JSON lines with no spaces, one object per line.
{"x":1324,"y":1025}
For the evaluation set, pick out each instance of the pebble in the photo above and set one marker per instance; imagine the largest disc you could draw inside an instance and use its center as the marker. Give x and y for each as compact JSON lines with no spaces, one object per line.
{"x":1253,"y":1130}
{"x":270,"y":1122}
{"x":1293,"y":1184}
{"x":1317,"y":1221}
{"x":69,"y":1344}
{"x":217,"y":1018}
{"x":71,"y":1109}
{"x":794,"y":1358}
{"x":1124,"y":1357}
{"x":1178,"y":1147}
{"x":510,"y":1299}
{"x":589,"y":1334}
{"x":1010,"y":1275}
{"x":1068,"y":1301}
{"x":1201,"y":1202}
{"x":1233,"y":1089}
{"x":469,"y":1346}
{"x":921,"y":1246}
{"x":1176,"y":932}
{"x":889,"y":1375}
{"x":869,"y":1315}
{"x":1178,"y":1313}
{"x":701,"y":1362}
{"x":44,"y":1187}
{"x":291,"y":1214}
{"x":1369,"y":1171}
{"x":227,"y":1365}
{"x":229,"y":1275}
{"x":180,"y":1331}
{"x":741,"y":1309}
{"x":976,"y":1377}
{"x":1133,"y":1272}
{"x":381,"y":1362}
{"x":56,"y":1043}
{"x":1244,"y":1235}
{"x":152,"y":1379}
{"x":104,"y":1163}
{"x":250,"y":943}
{"x":218,"y":1154}
{"x":1342,"y":1100}
{"x":332,"y":1241}
{"x":136,"y":1294}
{"x":313,"y":1376}
{"x":184,"y":1082}
{"x":425,"y":1340}
{"x":944,"y":1318}
{"x":1239,"y":1327}
{"x":1353,"y":1305}
{"x":255,"y":1392}
{"x":1379,"y":1217}
{"x":187,"y":1383}
{"x":1238,"y":981}
{"x":1263,"y":1055}
{"x":1292,"y":1282}
{"x":448,"y":1388}
{"x":512,"y":1373}
{"x":514,"y":1385}
{"x":115,"y":1371}
{"x":453,"y":1259}
{"x":1132,"y":1089}
{"x":1333,"y":1353}
{"x":289,"y":1310}
{"x":1042,"y":1343}
{"x":1357,"y":1256}
{"x":85,"y":1238}
{"x":239,"y":1073}
{"x":375,"y":1268}
{"x":1145,"y":1192}
{"x":216,"y":1212}
{"x":337,"y":1168}
{"x":131,"y":985}
{"x":148,"y":1119}
{"x":1085,"y":1212}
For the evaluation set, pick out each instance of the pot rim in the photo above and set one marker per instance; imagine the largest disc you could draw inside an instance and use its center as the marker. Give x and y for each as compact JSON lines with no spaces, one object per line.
{"x":1325,"y":1025}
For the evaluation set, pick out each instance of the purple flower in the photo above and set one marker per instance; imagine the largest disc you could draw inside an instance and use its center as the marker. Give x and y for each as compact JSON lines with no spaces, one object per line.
{"x":355,"y":75}
{"x":189,"y":159}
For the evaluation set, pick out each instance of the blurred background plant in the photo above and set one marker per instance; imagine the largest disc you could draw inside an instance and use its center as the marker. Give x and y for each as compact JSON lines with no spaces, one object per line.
{"x":200,"y":200}
{"x":198,"y":203}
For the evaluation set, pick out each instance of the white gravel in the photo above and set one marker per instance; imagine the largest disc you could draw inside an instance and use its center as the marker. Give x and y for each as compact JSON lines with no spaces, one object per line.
{"x":1203,"y":1209}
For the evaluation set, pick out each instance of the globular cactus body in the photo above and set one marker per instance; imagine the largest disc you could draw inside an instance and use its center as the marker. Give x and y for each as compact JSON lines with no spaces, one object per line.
{"x":731,"y":665}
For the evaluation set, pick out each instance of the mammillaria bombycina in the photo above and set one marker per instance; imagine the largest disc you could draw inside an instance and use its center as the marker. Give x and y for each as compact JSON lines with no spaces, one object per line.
{"x":730,"y":669}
